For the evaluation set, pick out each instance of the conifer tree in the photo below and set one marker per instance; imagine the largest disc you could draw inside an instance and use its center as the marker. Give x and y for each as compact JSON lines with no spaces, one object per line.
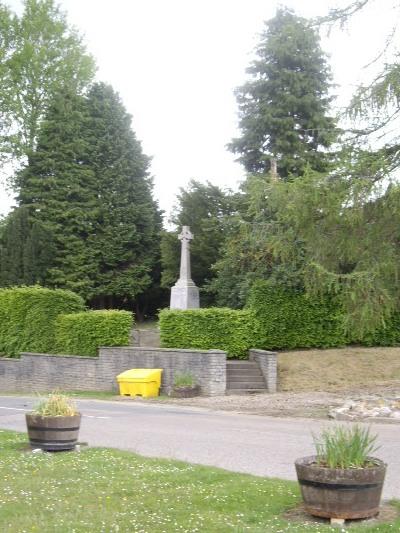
{"x":87,"y":189}
{"x":284,"y":107}
{"x":125,"y":237}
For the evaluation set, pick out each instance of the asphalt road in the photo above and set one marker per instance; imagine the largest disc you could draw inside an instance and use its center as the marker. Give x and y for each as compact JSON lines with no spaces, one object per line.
{"x":260,"y":445}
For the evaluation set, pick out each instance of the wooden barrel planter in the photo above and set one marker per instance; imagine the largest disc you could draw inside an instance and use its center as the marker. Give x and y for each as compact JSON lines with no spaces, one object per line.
{"x":189,"y":391}
{"x":340,"y":493}
{"x":53,"y":433}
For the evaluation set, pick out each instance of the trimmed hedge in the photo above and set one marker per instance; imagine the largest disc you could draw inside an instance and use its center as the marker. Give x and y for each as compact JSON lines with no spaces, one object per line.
{"x":27,"y":317}
{"x":286,"y":320}
{"x":206,"y":329}
{"x":83,"y":333}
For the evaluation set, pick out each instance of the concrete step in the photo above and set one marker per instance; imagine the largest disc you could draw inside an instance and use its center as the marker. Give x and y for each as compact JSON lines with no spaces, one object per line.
{"x":245,"y":385}
{"x":230,"y":392}
{"x":245,"y":377}
{"x":243,"y":372}
{"x":244,"y":364}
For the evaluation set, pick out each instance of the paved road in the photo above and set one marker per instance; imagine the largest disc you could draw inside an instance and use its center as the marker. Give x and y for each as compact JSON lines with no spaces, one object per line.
{"x":264,"y":446}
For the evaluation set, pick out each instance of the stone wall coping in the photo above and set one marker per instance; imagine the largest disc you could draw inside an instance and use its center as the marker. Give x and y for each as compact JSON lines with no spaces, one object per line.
{"x":162,"y":350}
{"x":61,"y":356}
{"x":262,"y":352}
{"x":9,"y":359}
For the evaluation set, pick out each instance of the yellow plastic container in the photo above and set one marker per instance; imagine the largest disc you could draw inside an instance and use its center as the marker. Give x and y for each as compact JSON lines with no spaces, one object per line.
{"x":144,"y":382}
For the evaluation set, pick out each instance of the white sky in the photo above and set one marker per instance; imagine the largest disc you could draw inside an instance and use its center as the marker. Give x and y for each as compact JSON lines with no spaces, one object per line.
{"x":176,"y":63}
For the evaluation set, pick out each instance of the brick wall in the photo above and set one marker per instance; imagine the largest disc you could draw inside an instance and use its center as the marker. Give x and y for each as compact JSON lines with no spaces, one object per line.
{"x":40,"y":372}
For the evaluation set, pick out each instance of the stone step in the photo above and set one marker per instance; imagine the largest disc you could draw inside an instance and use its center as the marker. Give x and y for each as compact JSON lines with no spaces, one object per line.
{"x":245,"y":385}
{"x":230,"y":392}
{"x":239,"y":362}
{"x":245,"y":377}
{"x":243,"y":372}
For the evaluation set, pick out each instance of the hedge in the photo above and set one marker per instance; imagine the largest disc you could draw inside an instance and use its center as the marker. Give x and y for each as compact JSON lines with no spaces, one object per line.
{"x":27,"y":317}
{"x":206,"y":329}
{"x":289,"y":319}
{"x":83,"y":333}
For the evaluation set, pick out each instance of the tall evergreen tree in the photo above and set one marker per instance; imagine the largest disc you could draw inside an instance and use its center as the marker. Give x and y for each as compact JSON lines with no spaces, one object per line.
{"x":125,"y":237}
{"x":284,"y":108}
{"x":26,"y":250}
{"x":87,"y":187}
{"x":58,"y":189}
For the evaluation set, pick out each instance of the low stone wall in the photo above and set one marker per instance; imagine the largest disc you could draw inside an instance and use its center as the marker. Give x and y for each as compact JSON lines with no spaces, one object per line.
{"x":268,"y":363}
{"x":42,"y":372}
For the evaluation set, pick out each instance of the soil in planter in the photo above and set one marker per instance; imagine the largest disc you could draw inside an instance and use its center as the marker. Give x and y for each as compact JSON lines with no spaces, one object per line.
{"x":387,"y":514}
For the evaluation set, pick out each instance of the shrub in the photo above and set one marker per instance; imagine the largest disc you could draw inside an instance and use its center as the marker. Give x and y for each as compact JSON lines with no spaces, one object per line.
{"x":207,"y":329}
{"x":83,"y":333}
{"x":27,"y":317}
{"x":289,"y":319}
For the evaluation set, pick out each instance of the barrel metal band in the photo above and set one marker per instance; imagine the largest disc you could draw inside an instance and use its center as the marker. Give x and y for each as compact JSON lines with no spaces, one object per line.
{"x":338,"y":486}
{"x":37,"y":428}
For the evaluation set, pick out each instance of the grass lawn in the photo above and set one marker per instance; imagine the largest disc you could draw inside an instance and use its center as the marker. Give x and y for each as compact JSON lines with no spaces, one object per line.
{"x":102,"y":490}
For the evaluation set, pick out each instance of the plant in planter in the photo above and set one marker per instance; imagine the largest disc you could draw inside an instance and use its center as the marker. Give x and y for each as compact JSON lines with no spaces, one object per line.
{"x":54,"y":424}
{"x":342,"y":481}
{"x":185,"y":386}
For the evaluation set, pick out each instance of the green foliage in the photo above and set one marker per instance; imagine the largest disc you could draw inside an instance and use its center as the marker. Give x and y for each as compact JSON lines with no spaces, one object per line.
{"x":56,"y":404}
{"x":86,"y":219}
{"x":291,"y":319}
{"x":124,"y":241}
{"x":205,"y":329}
{"x":283,"y":108}
{"x":39,"y":55}
{"x":184,"y":379}
{"x":28,"y":315}
{"x":347,"y":225}
{"x":26,"y":250}
{"x":206,"y":209}
{"x":83,"y":333}
{"x":345,"y":447}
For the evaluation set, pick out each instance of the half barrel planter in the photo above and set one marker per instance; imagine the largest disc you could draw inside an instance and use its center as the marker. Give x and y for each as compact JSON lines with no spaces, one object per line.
{"x":189,"y":391}
{"x":340,"y":493}
{"x":53,"y":433}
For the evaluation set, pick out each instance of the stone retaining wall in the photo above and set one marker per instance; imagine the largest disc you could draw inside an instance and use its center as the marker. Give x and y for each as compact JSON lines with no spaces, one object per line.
{"x":42,"y":372}
{"x":268,"y":363}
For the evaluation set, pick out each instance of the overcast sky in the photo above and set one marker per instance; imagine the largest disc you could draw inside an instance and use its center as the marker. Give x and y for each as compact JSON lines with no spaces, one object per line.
{"x":176,"y":63}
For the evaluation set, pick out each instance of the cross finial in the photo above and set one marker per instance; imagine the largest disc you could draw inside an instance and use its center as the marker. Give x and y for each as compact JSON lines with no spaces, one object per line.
{"x":185,"y":235}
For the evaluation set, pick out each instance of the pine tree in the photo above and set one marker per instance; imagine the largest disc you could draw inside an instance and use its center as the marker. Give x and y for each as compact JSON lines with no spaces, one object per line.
{"x":284,"y":107}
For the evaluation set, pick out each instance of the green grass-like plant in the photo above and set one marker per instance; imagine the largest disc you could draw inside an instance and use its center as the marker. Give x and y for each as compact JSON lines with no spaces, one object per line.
{"x":184,"y":379}
{"x":345,"y":447}
{"x":56,"y":404}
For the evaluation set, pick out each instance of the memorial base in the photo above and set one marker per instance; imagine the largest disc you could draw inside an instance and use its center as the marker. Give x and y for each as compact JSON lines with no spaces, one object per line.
{"x":185,"y":297}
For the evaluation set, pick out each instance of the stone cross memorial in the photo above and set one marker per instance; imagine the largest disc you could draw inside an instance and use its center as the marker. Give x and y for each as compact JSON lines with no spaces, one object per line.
{"x":185,"y":294}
